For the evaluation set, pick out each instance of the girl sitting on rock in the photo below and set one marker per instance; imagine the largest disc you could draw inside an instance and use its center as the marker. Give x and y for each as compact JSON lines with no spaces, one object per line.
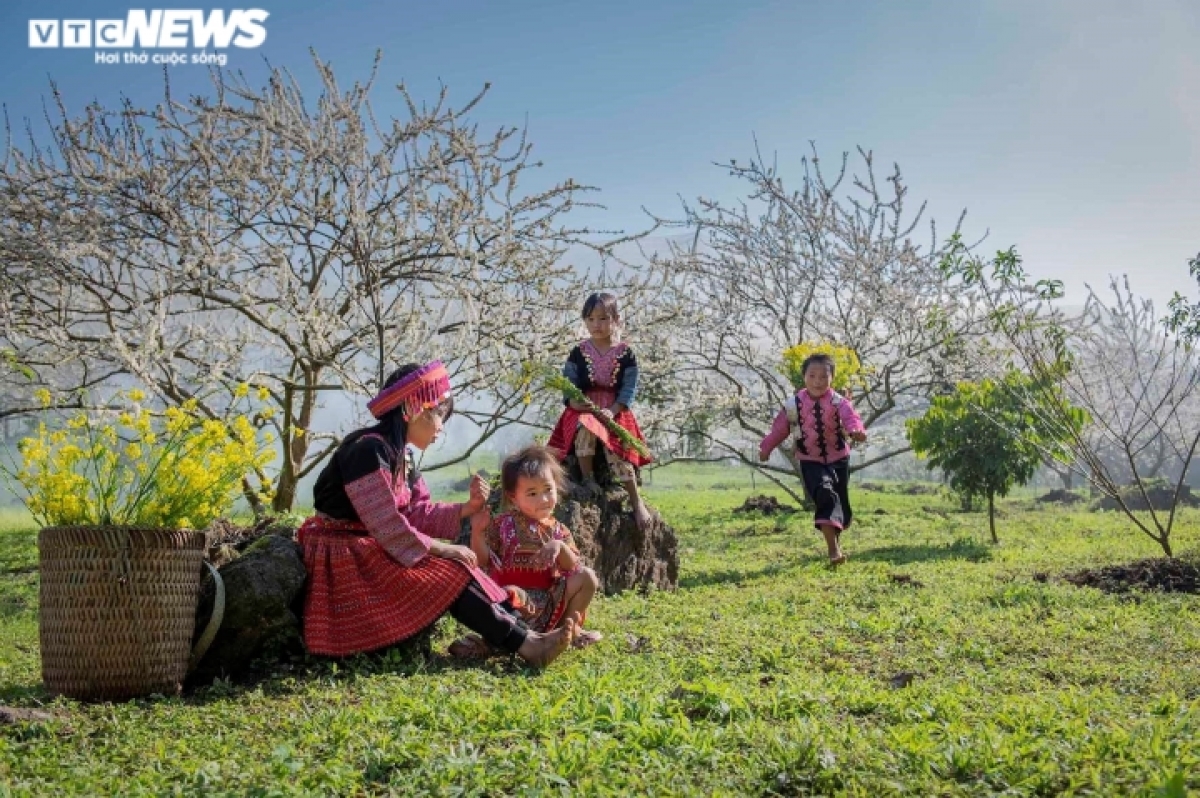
{"x":605,"y":370}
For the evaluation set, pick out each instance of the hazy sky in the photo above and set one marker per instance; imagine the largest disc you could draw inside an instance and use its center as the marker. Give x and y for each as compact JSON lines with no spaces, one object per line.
{"x":1070,"y":129}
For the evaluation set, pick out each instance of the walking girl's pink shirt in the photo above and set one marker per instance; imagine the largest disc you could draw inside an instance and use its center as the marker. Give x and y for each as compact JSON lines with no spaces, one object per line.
{"x":824,"y":427}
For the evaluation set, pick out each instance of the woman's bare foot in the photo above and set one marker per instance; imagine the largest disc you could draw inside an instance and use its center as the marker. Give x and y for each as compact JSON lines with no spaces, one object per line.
{"x":837,"y":559}
{"x":641,"y":516}
{"x":539,"y":650}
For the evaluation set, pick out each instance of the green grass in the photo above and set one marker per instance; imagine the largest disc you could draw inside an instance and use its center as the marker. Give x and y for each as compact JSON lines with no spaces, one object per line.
{"x":765,"y":673}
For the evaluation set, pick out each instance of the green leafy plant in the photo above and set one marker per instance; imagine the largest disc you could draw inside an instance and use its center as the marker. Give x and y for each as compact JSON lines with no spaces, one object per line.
{"x":10,"y":362}
{"x":986,"y":439}
{"x":1135,"y":375}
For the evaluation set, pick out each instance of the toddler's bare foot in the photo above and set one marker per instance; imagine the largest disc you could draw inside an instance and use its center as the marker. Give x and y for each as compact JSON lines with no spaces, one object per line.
{"x":641,"y":516}
{"x":470,"y":646}
{"x":586,"y":637}
{"x":539,"y":650}
{"x":837,"y":559}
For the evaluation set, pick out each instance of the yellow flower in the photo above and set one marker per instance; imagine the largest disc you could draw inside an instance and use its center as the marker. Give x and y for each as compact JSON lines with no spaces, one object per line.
{"x":180,"y":472}
{"x":136,"y":395}
{"x":177,"y":420}
{"x":241,"y":390}
{"x":243,"y":429}
{"x":263,"y":394}
{"x":849,"y":373}
{"x":70,"y":454}
{"x":43,"y":397}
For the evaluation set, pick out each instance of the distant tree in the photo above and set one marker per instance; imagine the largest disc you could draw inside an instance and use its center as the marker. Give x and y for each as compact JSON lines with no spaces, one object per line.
{"x":984,"y":439}
{"x":1137,"y":380}
{"x":832,"y":254}
{"x":1184,"y":318}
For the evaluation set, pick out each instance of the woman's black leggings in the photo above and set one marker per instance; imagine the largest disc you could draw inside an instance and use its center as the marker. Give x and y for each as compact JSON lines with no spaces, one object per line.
{"x":494,"y":622}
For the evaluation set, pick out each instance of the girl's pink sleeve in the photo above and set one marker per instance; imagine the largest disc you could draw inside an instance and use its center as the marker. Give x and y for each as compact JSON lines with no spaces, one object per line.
{"x":777,"y":435}
{"x":851,"y":421}
{"x":436,"y":519}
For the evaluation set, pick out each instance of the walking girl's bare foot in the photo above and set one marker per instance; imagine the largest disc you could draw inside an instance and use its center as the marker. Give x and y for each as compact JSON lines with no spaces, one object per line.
{"x":539,"y":650}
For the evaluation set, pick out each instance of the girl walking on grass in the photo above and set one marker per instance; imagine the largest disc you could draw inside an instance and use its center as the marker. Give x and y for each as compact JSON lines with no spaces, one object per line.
{"x":819,"y":421}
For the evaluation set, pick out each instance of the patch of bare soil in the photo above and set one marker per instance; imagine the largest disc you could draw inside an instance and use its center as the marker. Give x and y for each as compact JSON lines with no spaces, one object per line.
{"x":1153,"y":493}
{"x":1163,"y":574}
{"x":1060,"y":496}
{"x":767,"y":505}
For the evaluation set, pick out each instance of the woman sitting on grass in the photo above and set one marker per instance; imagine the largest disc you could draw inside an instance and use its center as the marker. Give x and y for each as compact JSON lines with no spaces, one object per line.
{"x":381,"y":567}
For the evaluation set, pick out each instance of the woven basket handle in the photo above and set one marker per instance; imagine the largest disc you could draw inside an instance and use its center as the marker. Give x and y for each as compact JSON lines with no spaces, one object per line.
{"x":214,"y":620}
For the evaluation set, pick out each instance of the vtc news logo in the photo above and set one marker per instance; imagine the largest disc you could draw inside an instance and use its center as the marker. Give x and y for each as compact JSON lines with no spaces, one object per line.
{"x":154,"y":28}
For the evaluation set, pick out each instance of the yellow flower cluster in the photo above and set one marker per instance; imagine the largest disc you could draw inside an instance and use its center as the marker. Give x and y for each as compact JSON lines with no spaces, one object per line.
{"x":849,"y":374}
{"x":177,"y":470}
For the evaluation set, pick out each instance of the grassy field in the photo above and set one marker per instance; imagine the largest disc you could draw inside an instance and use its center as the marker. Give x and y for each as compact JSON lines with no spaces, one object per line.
{"x":933,"y":663}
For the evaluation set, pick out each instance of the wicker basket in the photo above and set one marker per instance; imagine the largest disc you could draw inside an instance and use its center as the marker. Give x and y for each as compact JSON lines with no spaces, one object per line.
{"x":118,"y":607}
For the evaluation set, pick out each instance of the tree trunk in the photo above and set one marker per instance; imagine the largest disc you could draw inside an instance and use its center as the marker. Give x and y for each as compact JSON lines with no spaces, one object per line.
{"x":992,"y":516}
{"x":251,"y":496}
{"x":285,"y":493}
{"x":295,"y":446}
